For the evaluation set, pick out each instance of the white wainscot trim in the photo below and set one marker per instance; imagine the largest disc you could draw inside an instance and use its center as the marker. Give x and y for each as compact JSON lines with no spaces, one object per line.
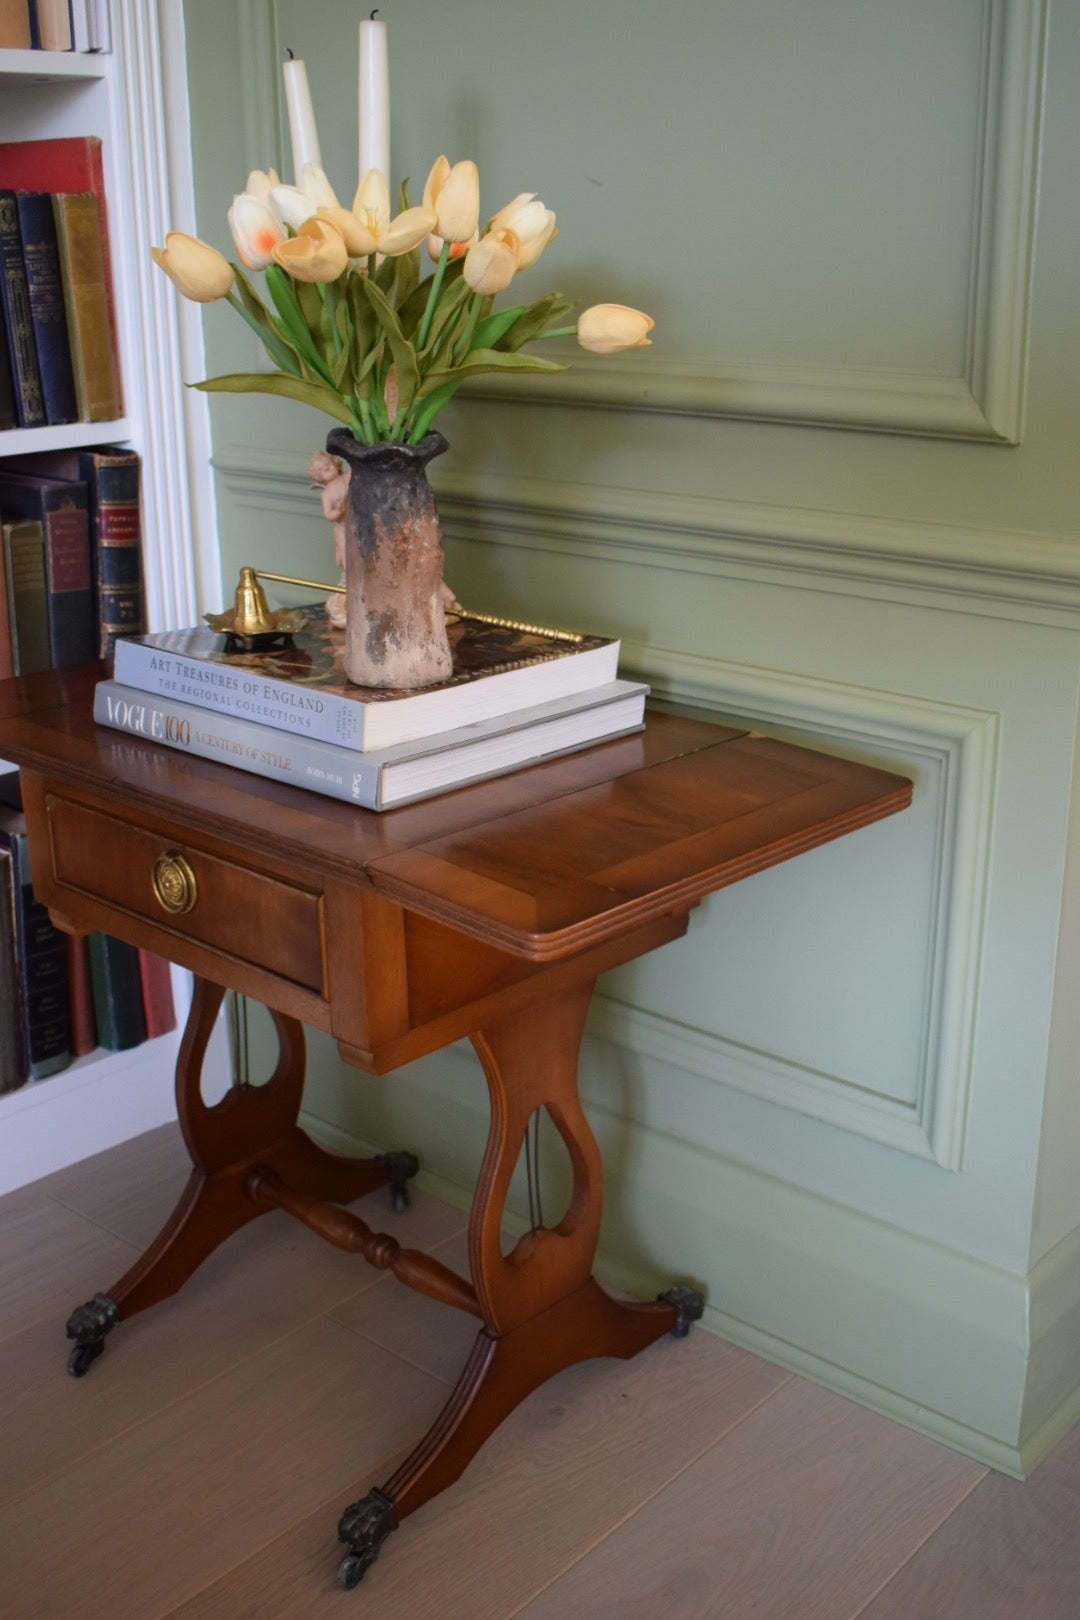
{"x":951,"y":752}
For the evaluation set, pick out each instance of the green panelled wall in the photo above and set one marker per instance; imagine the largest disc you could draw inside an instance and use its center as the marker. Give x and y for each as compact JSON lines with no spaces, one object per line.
{"x":839,"y":497}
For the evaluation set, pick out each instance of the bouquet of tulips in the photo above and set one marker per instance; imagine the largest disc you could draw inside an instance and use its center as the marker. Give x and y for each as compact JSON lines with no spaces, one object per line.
{"x":350,"y":323}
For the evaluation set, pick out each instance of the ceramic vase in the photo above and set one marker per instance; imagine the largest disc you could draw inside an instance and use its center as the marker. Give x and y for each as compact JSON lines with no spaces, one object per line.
{"x":395,"y":626}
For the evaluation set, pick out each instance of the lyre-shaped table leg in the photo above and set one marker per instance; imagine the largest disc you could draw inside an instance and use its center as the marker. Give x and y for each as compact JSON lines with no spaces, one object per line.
{"x":543,"y":1311}
{"x":250,"y":1125}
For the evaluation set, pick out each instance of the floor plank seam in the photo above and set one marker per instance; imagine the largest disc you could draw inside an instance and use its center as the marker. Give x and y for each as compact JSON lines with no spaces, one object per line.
{"x":169,"y":1403}
{"x":329,"y":1510}
{"x":919,"y":1546}
{"x":417,"y":1366}
{"x":651,"y":1496}
{"x":95,"y":1221}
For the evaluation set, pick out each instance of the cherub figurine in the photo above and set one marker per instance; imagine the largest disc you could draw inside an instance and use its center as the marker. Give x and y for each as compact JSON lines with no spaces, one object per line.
{"x":331,"y":477}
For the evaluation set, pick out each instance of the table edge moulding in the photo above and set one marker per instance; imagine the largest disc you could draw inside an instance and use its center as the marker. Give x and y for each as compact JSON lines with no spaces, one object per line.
{"x":486,"y":913}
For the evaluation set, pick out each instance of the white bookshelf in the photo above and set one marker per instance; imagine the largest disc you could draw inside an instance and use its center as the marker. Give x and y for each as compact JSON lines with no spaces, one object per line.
{"x":135,"y":99}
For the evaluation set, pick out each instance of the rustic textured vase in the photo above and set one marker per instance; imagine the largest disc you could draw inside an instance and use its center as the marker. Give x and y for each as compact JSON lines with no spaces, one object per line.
{"x":395,"y":627}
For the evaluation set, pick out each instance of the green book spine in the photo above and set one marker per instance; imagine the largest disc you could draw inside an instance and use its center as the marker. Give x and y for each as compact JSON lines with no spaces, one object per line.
{"x":117,"y":987}
{"x":27,"y":597}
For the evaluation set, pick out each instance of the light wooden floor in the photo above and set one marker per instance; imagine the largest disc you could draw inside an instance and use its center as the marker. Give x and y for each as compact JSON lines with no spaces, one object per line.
{"x":200,"y":1468}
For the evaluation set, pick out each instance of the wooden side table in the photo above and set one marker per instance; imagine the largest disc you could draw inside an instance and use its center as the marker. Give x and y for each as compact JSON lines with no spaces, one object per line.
{"x":488,"y":912}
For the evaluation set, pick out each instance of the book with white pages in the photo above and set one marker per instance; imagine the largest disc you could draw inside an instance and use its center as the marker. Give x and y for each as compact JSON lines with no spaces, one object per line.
{"x":300,"y":685}
{"x":378,"y":779}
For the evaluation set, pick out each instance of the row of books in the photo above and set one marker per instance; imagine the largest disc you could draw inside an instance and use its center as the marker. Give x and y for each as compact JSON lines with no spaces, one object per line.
{"x":72,"y":557}
{"x":62,"y":997}
{"x":54,"y":25}
{"x":518,"y":695}
{"x":59,"y":361}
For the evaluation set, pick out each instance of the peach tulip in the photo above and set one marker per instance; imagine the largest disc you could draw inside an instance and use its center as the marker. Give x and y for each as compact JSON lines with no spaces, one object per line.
{"x":316,"y":253}
{"x":454,"y":194}
{"x":295,"y":204}
{"x":490,"y":264}
{"x":256,"y":230}
{"x":260,"y":183}
{"x":611,"y":328}
{"x":367,"y":226}
{"x":531,"y":225}
{"x":458,"y":250}
{"x":195,"y":268}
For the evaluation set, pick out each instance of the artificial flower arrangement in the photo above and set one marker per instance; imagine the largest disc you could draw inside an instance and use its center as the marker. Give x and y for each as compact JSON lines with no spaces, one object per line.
{"x":353,"y":328}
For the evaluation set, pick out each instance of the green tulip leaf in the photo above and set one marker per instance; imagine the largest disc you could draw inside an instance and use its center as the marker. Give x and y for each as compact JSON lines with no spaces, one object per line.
{"x":281,"y":290}
{"x":258,"y":318}
{"x":481,"y":361}
{"x":491,"y":330}
{"x":408,"y":374}
{"x":431,"y":407}
{"x":366,"y":335}
{"x":446,"y":310}
{"x":534,"y":320}
{"x":263,"y":382}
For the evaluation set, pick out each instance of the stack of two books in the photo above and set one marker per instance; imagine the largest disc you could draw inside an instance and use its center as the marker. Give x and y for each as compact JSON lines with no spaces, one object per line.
{"x":518,"y":695}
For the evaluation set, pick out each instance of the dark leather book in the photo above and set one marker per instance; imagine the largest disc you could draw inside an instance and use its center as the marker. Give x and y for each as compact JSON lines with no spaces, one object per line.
{"x":117,"y":986}
{"x":41,"y":957}
{"x":46,"y":290}
{"x":26,"y":597}
{"x":14,"y":1070}
{"x":61,"y":507}
{"x":25,"y":374}
{"x":80,"y":996}
{"x":113,"y":486}
{"x":8,"y":415}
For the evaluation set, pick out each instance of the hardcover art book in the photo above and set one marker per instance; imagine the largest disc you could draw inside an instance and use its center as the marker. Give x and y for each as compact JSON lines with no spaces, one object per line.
{"x":386,"y":777}
{"x":302,"y":688}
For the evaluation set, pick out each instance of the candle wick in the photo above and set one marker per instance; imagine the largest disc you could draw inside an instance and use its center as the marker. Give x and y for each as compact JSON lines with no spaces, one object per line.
{"x":289,"y":54}
{"x":374,"y":14}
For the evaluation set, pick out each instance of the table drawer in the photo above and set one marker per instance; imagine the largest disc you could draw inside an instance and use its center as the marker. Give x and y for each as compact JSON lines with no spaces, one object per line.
{"x":231,"y":907}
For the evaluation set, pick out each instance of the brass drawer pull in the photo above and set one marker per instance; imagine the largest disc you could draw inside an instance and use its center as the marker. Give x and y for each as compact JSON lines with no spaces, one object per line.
{"x":174,"y":884}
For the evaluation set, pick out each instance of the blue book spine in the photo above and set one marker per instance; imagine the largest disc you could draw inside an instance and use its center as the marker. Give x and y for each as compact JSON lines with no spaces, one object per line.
{"x":41,"y":956}
{"x":46,"y":292}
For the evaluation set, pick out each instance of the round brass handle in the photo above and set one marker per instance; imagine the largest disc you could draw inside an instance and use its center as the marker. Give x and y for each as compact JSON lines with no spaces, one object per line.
{"x":174,"y":884}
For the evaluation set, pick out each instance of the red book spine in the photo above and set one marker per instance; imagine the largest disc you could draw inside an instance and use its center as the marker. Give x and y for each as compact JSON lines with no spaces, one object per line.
{"x":80,"y":997}
{"x":158,"y":1009}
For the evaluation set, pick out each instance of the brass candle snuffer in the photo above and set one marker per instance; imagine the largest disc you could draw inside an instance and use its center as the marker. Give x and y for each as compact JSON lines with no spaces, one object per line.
{"x":252,"y":623}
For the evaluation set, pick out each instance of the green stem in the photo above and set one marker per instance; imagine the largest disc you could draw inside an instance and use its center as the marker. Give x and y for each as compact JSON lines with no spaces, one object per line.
{"x":281,"y":356}
{"x":433,"y":296}
{"x":330,"y":299}
{"x":366,"y":434}
{"x":558,"y":331}
{"x":464,"y":343}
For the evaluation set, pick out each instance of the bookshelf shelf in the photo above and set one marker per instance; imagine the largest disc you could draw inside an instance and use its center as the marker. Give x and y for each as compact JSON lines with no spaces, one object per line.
{"x":72,"y":436}
{"x":19,"y":68}
{"x":134,"y":99}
